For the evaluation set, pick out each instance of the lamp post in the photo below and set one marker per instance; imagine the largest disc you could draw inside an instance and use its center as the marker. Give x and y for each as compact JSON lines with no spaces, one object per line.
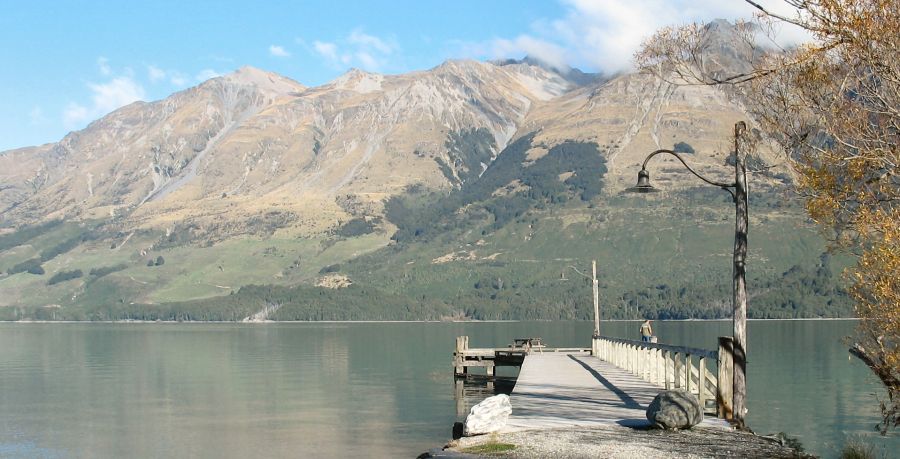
{"x":738,"y":191}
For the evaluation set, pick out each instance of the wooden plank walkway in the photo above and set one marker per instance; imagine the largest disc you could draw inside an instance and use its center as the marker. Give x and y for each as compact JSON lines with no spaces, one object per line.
{"x":565,"y":390}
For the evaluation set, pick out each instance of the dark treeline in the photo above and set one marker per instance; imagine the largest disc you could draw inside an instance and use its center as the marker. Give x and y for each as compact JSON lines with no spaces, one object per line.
{"x":421,"y":217}
{"x":23,"y":235}
{"x":105,"y":270}
{"x":797,"y":293}
{"x":33,"y":265}
{"x":468,"y":149}
{"x":63,"y":276}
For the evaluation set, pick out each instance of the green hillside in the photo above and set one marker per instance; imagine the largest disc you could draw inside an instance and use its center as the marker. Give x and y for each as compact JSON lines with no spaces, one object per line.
{"x":512,"y":242}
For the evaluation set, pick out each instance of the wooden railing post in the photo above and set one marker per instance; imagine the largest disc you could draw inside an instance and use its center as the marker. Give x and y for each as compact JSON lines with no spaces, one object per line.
{"x":688,"y":365}
{"x":678,"y":370}
{"x":628,"y":359}
{"x":674,"y":367}
{"x":657,"y":353}
{"x":725,"y":381}
{"x":666,"y":369}
{"x":639,"y":353}
{"x":634,"y":362}
{"x":701,"y":384}
{"x":639,"y":362}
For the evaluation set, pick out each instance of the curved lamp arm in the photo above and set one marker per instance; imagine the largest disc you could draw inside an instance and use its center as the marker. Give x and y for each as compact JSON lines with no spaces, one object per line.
{"x":725,"y":186}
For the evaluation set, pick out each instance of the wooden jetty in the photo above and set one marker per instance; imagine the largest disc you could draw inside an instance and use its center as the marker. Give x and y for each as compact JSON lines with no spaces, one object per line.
{"x":593,"y":402}
{"x":613,"y":382}
{"x":577,"y":389}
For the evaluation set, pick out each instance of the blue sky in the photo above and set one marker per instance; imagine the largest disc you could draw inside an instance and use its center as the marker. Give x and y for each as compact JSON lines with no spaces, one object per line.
{"x":66,"y":63}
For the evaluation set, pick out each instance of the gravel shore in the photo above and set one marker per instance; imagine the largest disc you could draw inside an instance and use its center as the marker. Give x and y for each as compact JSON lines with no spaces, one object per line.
{"x":615,"y":441}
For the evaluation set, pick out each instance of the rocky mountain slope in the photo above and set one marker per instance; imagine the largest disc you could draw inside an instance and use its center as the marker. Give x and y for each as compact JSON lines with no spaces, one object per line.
{"x":256,"y":145}
{"x":454,"y":178}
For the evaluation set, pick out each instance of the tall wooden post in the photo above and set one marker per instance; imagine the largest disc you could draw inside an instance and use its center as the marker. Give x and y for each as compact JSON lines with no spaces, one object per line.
{"x":596,"y":299}
{"x":725,"y":378}
{"x":739,"y":275}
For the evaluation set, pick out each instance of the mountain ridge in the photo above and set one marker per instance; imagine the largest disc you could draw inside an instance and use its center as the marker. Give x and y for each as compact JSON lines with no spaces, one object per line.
{"x":164,"y":202}
{"x":231,"y":125}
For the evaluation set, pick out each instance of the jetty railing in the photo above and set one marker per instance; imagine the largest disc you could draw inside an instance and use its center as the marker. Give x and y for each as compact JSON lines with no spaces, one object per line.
{"x":677,"y":367}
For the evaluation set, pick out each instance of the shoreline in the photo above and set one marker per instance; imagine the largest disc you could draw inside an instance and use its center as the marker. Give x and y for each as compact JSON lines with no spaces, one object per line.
{"x":618,"y":441}
{"x":269,"y":322}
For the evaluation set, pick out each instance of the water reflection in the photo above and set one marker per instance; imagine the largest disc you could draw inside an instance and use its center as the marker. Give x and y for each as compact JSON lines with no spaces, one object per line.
{"x":468,"y":392}
{"x":368,"y":390}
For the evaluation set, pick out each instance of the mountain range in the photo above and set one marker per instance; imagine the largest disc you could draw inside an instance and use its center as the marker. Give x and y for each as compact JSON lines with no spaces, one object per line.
{"x":285,"y":181}
{"x":253,"y":141}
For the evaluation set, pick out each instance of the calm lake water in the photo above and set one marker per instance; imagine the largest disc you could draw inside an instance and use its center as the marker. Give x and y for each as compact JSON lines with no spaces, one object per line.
{"x":354,"y":389}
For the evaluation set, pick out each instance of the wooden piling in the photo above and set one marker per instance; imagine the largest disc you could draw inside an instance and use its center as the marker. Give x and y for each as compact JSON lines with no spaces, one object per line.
{"x":724,"y":395}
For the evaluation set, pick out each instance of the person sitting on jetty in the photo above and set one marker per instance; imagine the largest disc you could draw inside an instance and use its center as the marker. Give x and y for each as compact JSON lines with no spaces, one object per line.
{"x":646,"y":331}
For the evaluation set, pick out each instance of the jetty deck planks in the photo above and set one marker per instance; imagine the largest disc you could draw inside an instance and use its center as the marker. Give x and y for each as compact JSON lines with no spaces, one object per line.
{"x":577,"y":389}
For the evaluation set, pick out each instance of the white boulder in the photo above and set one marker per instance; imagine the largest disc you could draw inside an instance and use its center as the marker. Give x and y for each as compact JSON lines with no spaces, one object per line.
{"x":488,"y":416}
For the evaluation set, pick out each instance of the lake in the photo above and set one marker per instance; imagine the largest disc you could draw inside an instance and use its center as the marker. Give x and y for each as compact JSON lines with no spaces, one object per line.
{"x":355,"y":389}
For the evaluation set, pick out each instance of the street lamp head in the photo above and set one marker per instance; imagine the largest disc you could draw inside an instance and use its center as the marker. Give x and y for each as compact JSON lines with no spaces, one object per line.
{"x":643,"y":184}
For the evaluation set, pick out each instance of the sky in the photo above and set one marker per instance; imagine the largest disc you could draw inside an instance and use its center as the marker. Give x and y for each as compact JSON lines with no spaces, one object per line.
{"x":65,"y":63}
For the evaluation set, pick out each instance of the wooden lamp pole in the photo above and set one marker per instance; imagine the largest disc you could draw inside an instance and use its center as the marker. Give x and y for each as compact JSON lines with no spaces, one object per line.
{"x":738,"y":191}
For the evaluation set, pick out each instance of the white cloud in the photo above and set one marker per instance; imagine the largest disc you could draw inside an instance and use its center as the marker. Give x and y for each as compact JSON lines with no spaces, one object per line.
{"x":178,"y":79}
{"x":278,"y":51}
{"x":326,"y":50}
{"x":75,"y":116}
{"x":105,"y":97}
{"x":359,"y":49}
{"x":116,"y":93}
{"x":365,"y":41}
{"x":207,"y":74}
{"x":604,"y":35}
{"x":103,"y":65}
{"x":366,"y":60}
{"x":155,"y":74}
{"x":542,"y":50}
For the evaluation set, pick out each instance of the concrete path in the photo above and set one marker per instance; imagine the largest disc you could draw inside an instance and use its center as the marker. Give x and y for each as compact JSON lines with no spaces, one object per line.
{"x":563,"y":390}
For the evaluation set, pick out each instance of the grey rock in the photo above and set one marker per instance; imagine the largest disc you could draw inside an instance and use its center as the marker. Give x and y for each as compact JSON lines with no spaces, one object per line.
{"x":488,"y":416}
{"x":675,"y":409}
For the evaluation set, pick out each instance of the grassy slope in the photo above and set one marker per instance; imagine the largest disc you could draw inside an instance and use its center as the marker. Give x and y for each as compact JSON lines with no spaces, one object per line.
{"x":637,"y":244}
{"x":479,"y":255}
{"x":190,"y":271}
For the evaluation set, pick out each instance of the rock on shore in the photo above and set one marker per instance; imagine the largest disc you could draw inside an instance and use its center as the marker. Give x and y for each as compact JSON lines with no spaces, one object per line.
{"x":675,"y":409}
